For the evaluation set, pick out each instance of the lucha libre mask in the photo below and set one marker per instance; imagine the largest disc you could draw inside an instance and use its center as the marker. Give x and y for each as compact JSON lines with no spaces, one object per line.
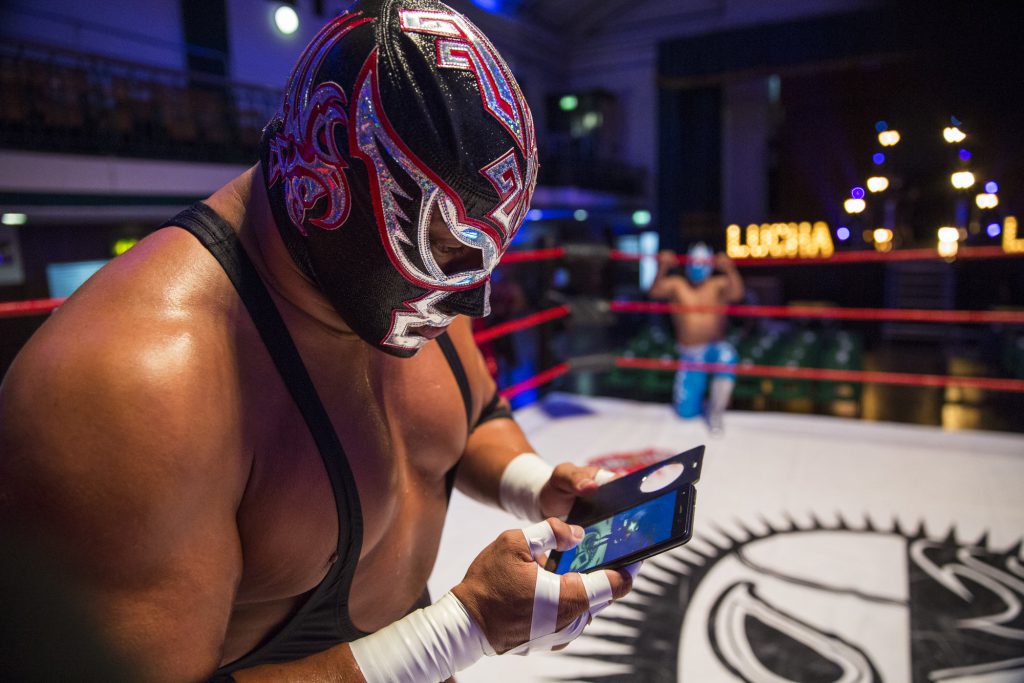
{"x":399,"y":111}
{"x":700,"y":263}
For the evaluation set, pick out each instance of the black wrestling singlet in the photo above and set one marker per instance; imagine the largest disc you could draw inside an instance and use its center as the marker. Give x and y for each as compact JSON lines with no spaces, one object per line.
{"x":323,"y":619}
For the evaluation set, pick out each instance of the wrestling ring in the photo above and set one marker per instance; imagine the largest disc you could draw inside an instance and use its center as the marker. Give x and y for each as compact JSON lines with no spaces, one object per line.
{"x":826,"y":548}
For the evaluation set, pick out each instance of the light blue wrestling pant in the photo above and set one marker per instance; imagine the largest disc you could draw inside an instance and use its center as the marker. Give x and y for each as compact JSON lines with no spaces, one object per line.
{"x":691,"y":385}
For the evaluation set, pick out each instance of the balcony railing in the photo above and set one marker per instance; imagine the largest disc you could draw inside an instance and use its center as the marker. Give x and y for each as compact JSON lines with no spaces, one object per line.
{"x":56,"y":100}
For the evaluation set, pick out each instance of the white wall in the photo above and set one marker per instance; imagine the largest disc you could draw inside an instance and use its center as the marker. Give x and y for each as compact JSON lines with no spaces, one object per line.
{"x":146,"y":31}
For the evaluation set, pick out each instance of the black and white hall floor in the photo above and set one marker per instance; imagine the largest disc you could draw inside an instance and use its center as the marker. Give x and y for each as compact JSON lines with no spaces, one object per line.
{"x":825,"y":549}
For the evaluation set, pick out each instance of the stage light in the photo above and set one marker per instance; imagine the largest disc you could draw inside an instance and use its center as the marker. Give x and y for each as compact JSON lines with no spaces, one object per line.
{"x":986,"y":200}
{"x":843,"y":233}
{"x":534,"y":215}
{"x":881,"y":126}
{"x":857,"y":193}
{"x":854,"y":205}
{"x":286,"y":20}
{"x":882,"y":238}
{"x":124,"y":244}
{"x":952,"y":134}
{"x":992,"y":230}
{"x":962,"y":180}
{"x":878,"y":183}
{"x":580,"y":214}
{"x":14,"y":219}
{"x":878,"y":158}
{"x":888,"y":138}
{"x":568,"y":102}
{"x":949,"y":241}
{"x":991,"y":187}
{"x":965,"y":155}
{"x":641,"y":217}
{"x":492,"y":6}
{"x":591,"y":120}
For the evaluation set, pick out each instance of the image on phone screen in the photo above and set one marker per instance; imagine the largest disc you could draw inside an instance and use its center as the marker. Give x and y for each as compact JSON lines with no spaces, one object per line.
{"x":622,"y":534}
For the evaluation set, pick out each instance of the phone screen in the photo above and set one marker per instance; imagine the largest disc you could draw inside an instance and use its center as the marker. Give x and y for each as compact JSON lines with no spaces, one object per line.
{"x":622,"y":534}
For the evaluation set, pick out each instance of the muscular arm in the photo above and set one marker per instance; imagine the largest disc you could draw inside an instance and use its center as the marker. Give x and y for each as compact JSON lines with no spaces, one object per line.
{"x":107,"y":459}
{"x":666,"y":286}
{"x":116,"y":459}
{"x":733,"y":290}
{"x":493,"y":444}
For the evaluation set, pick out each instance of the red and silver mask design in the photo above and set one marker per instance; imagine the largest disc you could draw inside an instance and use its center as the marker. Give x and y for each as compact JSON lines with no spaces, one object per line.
{"x":396,"y":115}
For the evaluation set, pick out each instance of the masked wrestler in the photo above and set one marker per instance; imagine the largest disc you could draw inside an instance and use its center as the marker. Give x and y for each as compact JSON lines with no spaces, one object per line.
{"x":699,"y":333}
{"x":240,"y":437}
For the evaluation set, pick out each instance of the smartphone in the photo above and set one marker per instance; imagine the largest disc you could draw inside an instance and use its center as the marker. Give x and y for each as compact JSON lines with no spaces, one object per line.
{"x":634,"y":517}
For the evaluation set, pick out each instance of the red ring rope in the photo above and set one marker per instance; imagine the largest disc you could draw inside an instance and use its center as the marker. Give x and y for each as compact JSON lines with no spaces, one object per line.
{"x":822,"y":374}
{"x":511,"y":326}
{"x":13,"y":309}
{"x":533,"y":255}
{"x":1015,"y":386}
{"x":537,"y":380}
{"x":922,"y":254}
{"x":827,"y":312}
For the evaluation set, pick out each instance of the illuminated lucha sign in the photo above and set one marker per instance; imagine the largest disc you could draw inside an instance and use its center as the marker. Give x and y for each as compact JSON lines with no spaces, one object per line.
{"x":304,"y":154}
{"x":1011,"y":243}
{"x":372,"y":133}
{"x":779,"y":240}
{"x":462,"y":47}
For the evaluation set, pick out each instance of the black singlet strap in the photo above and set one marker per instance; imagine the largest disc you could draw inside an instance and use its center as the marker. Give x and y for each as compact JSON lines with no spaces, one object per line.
{"x":223,"y":243}
{"x":455,"y":363}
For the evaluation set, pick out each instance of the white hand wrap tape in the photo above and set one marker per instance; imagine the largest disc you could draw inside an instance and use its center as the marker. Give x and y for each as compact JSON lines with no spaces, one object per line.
{"x":521,"y":482}
{"x":426,"y":646}
{"x":604,"y":476}
{"x":543,"y":636}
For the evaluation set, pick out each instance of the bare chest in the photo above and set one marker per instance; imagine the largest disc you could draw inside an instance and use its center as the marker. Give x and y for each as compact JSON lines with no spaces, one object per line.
{"x":401,"y":425}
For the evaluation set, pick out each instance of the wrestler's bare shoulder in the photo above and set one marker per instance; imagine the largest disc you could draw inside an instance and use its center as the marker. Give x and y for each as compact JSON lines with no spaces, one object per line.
{"x":113,"y":447}
{"x":133,"y":358}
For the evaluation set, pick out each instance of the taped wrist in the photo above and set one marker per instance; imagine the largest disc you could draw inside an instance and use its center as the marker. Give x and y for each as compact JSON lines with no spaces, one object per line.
{"x":521,"y":482}
{"x":429,"y":645}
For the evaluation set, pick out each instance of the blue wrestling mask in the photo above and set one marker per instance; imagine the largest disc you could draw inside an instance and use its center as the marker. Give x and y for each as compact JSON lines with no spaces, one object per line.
{"x":400,"y":114}
{"x":700,"y":263}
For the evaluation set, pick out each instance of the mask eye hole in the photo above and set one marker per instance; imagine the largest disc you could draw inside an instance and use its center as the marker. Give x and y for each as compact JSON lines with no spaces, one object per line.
{"x":451,"y":255}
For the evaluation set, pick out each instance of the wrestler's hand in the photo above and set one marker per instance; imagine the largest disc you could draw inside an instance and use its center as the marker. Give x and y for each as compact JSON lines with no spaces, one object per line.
{"x":566,"y":483}
{"x":723,"y":262}
{"x":500,"y":589}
